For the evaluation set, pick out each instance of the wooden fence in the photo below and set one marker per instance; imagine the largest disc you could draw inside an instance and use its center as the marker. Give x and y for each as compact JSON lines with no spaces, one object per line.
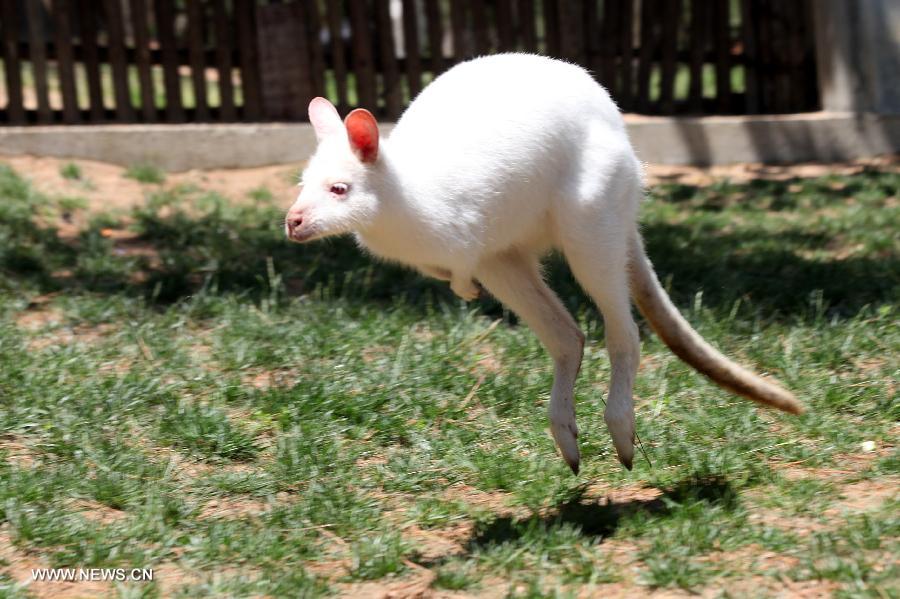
{"x":174,"y":61}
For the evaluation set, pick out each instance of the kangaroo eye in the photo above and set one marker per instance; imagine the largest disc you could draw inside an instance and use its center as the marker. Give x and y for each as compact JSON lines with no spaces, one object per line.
{"x":340,"y":189}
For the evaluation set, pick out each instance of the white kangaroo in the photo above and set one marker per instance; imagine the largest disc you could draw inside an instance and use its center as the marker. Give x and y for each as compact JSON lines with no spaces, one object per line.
{"x":496,"y":162}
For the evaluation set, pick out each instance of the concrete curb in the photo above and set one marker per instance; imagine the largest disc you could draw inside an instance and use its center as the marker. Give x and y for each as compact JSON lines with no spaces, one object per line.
{"x":821,"y":136}
{"x":771,"y":139}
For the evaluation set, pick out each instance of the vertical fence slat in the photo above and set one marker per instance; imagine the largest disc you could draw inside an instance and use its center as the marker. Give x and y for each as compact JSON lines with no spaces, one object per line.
{"x":458,"y":24}
{"x":615,"y":6}
{"x":570,"y":22}
{"x":594,"y":41}
{"x":626,"y":62}
{"x":777,"y":42}
{"x":647,"y":52}
{"x":435,"y":37}
{"x":116,"y":46}
{"x":224,"y":66}
{"x":479,"y":24}
{"x":165,"y":27}
{"x":246,"y":41}
{"x":782,"y":55}
{"x":197,"y":57}
{"x":527,"y":31}
{"x":615,"y":15}
{"x":670,"y":25}
{"x":772,"y":63}
{"x":139,"y":16}
{"x":503,"y":17}
{"x":762,"y":58}
{"x":810,"y":79}
{"x":316,"y":55}
{"x":551,"y":28}
{"x":390,"y":74}
{"x":338,"y":59}
{"x":64,"y":62}
{"x":37,"y":54}
{"x":699,"y":21}
{"x":608,"y":26}
{"x":15,"y":110}
{"x":88,"y":21}
{"x":798,"y":23}
{"x":751,"y":70}
{"x":363,"y":67}
{"x":411,"y":48}
{"x":789,"y":52}
{"x":722,"y":37}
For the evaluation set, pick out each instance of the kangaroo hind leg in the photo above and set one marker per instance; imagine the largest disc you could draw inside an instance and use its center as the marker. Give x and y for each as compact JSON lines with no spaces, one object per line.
{"x":601,"y":269}
{"x":514,"y":278}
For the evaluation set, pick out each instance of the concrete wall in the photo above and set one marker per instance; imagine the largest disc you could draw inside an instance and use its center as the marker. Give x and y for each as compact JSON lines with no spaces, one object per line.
{"x":707,"y":140}
{"x":773,"y":139}
{"x":170,"y":147}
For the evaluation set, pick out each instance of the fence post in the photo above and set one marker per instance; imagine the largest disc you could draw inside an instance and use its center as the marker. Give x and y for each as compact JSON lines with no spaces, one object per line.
{"x":245,"y":17}
{"x":66,"y":69}
{"x":140,"y":26}
{"x":165,"y":24}
{"x":9,"y":19}
{"x":363,"y":64}
{"x":858,"y":55}
{"x":284,"y":65}
{"x":37,"y":53}
{"x":570,"y":23}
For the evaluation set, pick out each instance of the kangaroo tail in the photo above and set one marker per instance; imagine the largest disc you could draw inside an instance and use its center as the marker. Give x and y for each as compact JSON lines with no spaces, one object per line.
{"x":687,"y":344}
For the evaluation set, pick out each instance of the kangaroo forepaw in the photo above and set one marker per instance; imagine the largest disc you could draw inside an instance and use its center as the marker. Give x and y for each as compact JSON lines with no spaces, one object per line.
{"x":467,"y":289}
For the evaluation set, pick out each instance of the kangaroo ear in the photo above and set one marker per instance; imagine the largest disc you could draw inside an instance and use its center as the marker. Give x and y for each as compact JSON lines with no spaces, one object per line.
{"x":324,"y":118}
{"x":363,"y":133}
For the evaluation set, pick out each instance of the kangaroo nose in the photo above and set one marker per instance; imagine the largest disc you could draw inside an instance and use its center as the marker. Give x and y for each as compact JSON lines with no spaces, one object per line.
{"x":293,"y":222}
{"x":296,"y":224}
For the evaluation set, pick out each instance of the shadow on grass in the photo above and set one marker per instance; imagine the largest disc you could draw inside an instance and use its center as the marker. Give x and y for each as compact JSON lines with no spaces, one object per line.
{"x":242,"y":251}
{"x":596,"y":518}
{"x":768,"y":270}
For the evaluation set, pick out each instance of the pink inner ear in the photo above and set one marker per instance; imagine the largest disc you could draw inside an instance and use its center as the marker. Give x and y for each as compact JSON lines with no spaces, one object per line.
{"x":363,"y":133}
{"x":324,"y":118}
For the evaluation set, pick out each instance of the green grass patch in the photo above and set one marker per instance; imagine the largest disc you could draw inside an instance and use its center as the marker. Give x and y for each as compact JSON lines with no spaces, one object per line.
{"x":145,"y":173}
{"x":260,"y":194}
{"x":354,"y":423}
{"x":70,"y":171}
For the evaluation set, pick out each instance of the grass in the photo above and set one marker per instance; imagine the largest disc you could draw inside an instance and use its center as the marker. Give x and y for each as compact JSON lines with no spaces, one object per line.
{"x":70,"y":171}
{"x":260,"y":194}
{"x":145,"y":173}
{"x":252,"y":417}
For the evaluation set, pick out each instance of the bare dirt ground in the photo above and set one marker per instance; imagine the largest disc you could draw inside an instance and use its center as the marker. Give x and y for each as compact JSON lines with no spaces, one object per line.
{"x":105,"y":187}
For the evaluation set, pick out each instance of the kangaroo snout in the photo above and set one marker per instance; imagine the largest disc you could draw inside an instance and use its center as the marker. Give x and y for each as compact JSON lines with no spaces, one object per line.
{"x":296,"y":226}
{"x":294,"y":221}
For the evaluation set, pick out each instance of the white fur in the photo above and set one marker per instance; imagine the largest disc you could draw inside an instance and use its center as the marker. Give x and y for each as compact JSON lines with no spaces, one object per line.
{"x":498,"y":160}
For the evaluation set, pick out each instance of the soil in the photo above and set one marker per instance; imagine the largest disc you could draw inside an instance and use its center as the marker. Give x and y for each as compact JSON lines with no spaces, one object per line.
{"x":105,"y":187}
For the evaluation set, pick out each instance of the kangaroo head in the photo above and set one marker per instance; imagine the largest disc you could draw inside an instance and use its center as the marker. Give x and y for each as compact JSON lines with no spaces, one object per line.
{"x":337,"y":192}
